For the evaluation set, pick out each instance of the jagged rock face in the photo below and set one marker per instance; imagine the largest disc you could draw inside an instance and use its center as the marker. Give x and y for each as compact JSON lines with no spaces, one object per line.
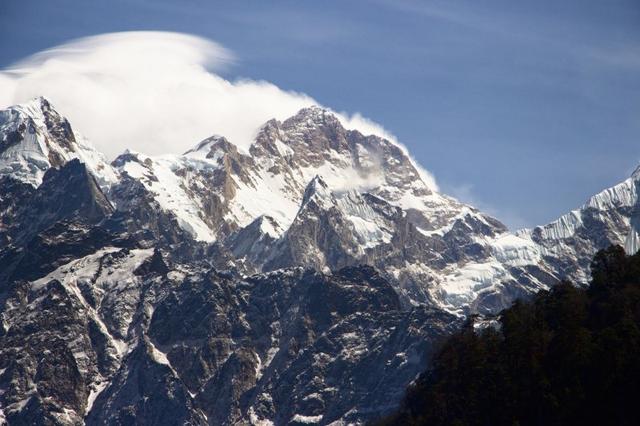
{"x":145,"y":391}
{"x":281,"y":347}
{"x":62,"y":336}
{"x":130,"y":338}
{"x":228,"y":287}
{"x":65,"y":215}
{"x":12,"y":196}
{"x":70,"y":192}
{"x":49,"y":354}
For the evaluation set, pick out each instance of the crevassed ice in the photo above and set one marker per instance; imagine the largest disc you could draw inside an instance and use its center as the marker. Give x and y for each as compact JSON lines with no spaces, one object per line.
{"x":515,"y":251}
{"x":462,"y":286}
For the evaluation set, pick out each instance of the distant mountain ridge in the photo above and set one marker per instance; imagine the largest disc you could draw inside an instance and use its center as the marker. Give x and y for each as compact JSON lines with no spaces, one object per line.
{"x":110,"y":249}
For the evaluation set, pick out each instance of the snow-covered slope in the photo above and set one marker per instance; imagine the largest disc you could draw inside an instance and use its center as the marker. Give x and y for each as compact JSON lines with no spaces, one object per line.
{"x":271,"y":178}
{"x":34,"y":138}
{"x":166,"y":179}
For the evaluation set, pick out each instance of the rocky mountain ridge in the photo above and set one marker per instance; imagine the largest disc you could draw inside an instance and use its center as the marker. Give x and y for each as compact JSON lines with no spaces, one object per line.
{"x":225,"y":286}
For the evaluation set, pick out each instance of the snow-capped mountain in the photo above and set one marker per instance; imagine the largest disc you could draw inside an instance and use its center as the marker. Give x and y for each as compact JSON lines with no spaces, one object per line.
{"x":35,"y":138}
{"x":229,"y":286}
{"x":369,"y":204}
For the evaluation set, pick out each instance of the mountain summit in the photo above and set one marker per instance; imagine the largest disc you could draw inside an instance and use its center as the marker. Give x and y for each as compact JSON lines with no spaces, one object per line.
{"x":34,"y":138}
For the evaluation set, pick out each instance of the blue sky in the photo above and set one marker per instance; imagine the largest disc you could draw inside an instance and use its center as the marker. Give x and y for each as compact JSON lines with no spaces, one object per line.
{"x":521,"y":108}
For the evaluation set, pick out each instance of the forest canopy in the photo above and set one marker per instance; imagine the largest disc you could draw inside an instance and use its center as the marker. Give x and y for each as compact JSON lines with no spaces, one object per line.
{"x":568,"y":356}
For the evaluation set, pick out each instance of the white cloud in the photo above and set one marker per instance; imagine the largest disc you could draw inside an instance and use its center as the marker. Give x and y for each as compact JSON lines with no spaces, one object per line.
{"x":154,"y":92}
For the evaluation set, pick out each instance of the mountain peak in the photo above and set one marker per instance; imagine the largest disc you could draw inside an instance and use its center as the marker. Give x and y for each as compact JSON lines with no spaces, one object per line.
{"x":317,"y":189}
{"x":208,"y":148}
{"x":35,"y":137}
{"x":313,"y":116}
{"x":314,"y":111}
{"x":34,"y":107}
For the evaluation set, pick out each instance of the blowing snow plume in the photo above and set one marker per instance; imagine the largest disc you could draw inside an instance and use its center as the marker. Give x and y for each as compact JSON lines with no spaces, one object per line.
{"x":155,"y":92}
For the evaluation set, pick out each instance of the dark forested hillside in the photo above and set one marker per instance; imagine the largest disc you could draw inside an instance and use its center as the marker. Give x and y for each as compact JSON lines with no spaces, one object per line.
{"x":569,"y":356}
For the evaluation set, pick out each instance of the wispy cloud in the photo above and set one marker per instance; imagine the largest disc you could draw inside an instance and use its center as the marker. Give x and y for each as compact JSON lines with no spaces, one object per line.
{"x":520,"y":29}
{"x":473,"y":16}
{"x":625,"y":57}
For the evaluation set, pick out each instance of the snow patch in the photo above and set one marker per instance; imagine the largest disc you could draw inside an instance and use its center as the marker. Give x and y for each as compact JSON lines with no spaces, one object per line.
{"x":307,"y":419}
{"x":169,"y":190}
{"x":96,"y":390}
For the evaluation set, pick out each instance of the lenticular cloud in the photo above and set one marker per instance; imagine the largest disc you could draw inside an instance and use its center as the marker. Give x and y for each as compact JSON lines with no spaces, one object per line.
{"x":155,"y":92}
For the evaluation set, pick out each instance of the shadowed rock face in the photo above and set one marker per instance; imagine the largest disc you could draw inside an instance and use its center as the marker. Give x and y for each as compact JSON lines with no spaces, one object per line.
{"x":306,"y":281}
{"x":51,"y":350}
{"x":12,"y":196}
{"x":289,"y":343}
{"x":68,"y":193}
{"x":131,"y":336}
